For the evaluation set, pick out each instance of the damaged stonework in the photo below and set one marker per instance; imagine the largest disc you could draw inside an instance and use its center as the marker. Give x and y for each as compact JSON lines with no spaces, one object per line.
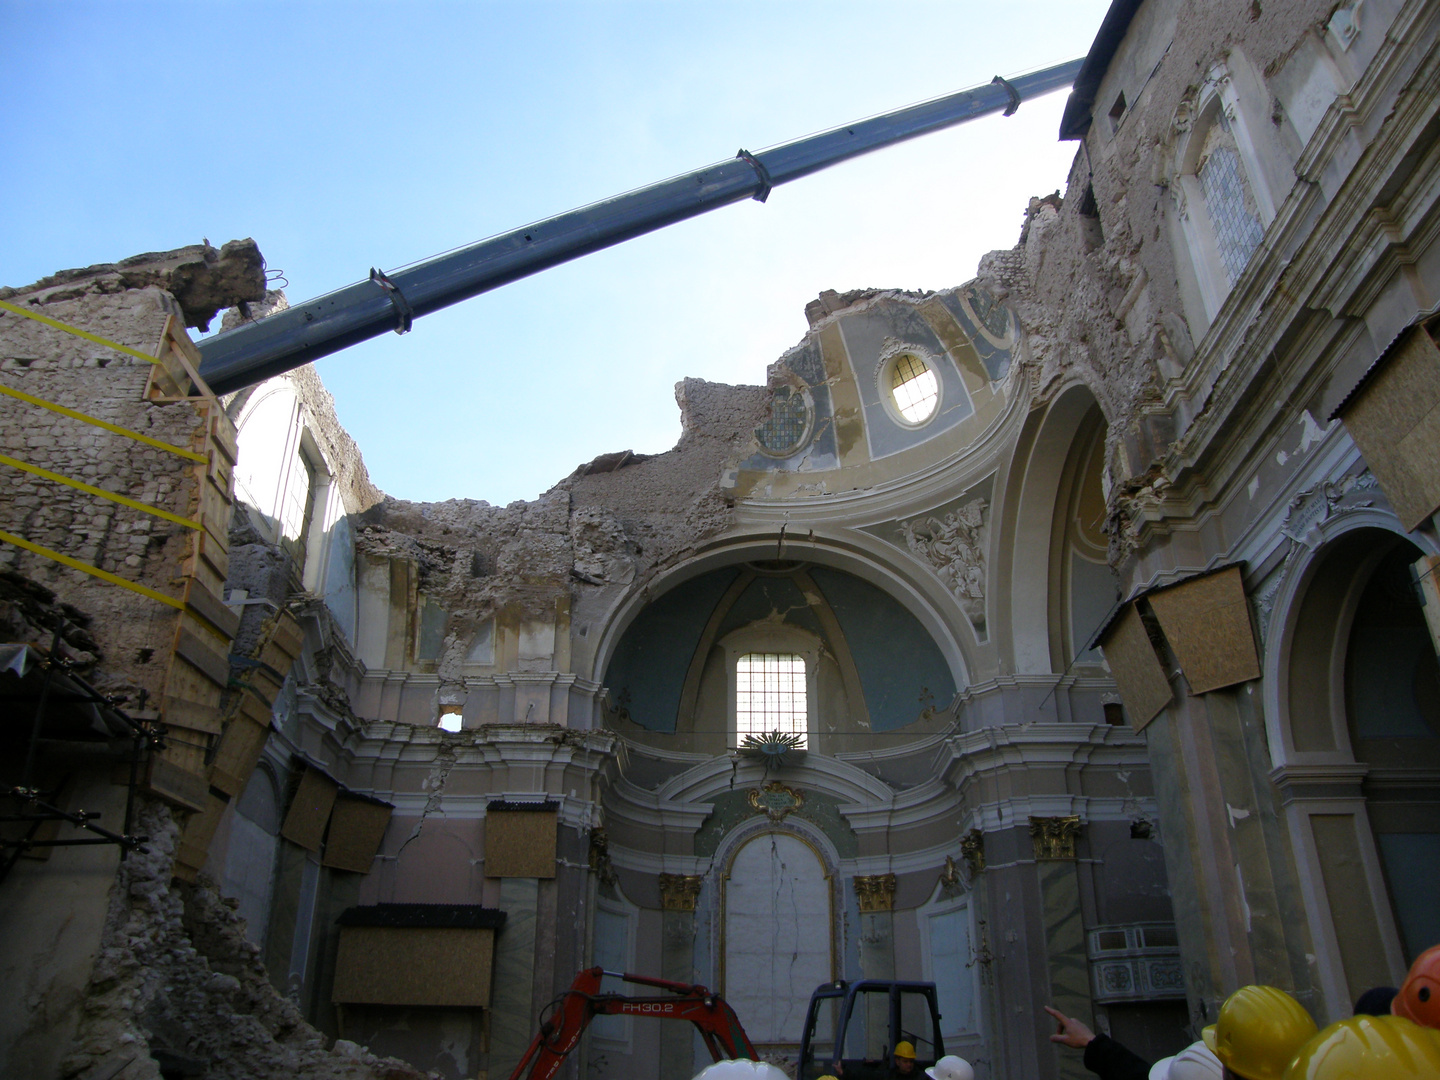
{"x":201,"y":279}
{"x":127,"y":972}
{"x":176,"y":982}
{"x":609,"y":525}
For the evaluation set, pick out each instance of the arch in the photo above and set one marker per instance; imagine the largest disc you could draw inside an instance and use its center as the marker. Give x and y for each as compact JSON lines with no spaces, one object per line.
{"x":1038,"y":489}
{"x":776,"y":886}
{"x":1330,"y":792}
{"x":658,"y":653}
{"x":1299,"y":580}
{"x":865,"y":557}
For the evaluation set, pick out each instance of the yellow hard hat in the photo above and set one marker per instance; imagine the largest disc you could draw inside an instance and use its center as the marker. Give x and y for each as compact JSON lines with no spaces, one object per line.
{"x":904,"y":1049}
{"x":1369,"y":1046}
{"x":1258,"y":1031}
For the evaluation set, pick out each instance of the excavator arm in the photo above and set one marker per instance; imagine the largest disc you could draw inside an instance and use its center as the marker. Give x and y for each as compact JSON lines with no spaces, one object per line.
{"x":570,"y":1014}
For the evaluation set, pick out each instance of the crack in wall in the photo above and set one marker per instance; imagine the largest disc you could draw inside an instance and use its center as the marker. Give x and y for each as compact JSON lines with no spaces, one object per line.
{"x":435,"y":784}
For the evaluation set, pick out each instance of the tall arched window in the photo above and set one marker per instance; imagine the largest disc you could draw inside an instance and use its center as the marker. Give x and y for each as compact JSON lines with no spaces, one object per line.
{"x":1218,"y":185}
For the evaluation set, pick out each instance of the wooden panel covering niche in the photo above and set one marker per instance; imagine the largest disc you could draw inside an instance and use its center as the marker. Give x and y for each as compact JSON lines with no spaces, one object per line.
{"x":520,"y":843}
{"x":1394,"y":417}
{"x":1135,"y":668}
{"x":310,"y":810}
{"x":383,"y":965}
{"x":356,"y":828}
{"x":1207,"y":623}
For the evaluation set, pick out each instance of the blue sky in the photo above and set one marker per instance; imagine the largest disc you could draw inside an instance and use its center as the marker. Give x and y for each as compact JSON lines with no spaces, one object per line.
{"x":348,"y":135}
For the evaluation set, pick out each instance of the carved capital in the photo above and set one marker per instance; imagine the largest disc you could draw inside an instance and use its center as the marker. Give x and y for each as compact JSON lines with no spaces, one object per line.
{"x":875,"y":892}
{"x":972,"y":850}
{"x":1054,"y":837}
{"x":678,"y":892}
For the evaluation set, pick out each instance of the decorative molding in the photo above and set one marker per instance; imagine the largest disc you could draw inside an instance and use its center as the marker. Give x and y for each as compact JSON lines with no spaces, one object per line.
{"x":776,"y":800}
{"x":875,"y":892}
{"x":679,"y":892}
{"x":1054,"y":837}
{"x":1135,"y":962}
{"x":972,"y":850}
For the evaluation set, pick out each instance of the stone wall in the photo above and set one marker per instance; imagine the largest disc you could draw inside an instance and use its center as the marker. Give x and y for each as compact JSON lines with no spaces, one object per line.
{"x":120,"y":970}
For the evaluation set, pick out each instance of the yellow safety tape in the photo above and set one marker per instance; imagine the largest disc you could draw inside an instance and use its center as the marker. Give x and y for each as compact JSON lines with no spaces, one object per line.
{"x":94,"y":571}
{"x":116,"y":428}
{"x":96,"y":338}
{"x":91,"y":490}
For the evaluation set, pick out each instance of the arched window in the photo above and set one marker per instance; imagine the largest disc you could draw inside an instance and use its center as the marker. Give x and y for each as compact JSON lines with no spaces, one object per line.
{"x":1218,"y":185}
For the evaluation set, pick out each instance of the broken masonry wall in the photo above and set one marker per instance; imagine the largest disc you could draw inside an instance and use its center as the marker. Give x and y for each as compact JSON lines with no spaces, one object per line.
{"x":547,"y":572}
{"x":117,"y":968}
{"x":1102,"y":280}
{"x":59,"y":367}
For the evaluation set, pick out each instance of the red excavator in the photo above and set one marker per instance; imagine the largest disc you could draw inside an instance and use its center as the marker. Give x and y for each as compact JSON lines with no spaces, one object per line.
{"x":566,"y":1018}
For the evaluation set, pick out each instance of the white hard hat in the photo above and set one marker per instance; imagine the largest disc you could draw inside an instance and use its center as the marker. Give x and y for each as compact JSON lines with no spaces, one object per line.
{"x":1195,"y":1062}
{"x":741,"y":1069}
{"x":951,"y":1067}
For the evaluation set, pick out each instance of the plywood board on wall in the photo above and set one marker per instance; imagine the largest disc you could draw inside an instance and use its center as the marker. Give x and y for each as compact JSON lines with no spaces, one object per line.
{"x":520,"y":843}
{"x":1207,"y":623}
{"x":310,"y":810}
{"x":1395,"y":420}
{"x":1135,"y":668}
{"x":382,"y":965}
{"x":356,"y":828}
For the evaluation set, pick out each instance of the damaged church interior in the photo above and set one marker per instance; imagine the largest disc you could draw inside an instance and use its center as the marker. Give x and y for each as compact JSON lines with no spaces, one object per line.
{"x":1066,"y":636}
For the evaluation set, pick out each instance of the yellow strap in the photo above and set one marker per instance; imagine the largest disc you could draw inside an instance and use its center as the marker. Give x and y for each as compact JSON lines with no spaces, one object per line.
{"x":96,"y":338}
{"x":121,"y":499}
{"x":117,"y":429}
{"x":94,"y":571}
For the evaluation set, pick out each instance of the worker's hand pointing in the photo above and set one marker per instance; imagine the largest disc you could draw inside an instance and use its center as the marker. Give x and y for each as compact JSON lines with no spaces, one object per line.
{"x":1071,"y":1032}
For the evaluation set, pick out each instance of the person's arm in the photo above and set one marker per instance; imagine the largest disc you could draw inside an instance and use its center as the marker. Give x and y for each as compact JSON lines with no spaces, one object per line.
{"x":1103,"y":1055}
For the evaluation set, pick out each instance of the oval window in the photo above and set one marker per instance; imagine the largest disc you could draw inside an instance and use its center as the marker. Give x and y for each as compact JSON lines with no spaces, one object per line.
{"x":914,"y":388}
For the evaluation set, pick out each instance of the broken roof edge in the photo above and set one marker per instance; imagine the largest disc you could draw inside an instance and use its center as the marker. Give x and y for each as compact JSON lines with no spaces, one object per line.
{"x":1076,"y":120}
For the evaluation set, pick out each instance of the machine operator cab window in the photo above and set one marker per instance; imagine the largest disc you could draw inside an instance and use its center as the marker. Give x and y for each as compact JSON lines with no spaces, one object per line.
{"x":871,"y":1030}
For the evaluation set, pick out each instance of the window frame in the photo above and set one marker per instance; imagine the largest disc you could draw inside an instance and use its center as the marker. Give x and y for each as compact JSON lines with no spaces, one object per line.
{"x":770,"y":638}
{"x":1218,"y":96}
{"x":890,"y":358}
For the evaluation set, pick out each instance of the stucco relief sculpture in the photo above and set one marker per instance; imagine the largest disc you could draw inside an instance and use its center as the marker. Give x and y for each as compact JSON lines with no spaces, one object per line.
{"x":955,"y":546}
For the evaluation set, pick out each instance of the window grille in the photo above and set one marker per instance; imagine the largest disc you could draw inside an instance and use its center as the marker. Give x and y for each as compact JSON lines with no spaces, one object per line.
{"x":770,"y":695}
{"x":1237,"y":229}
{"x":914,"y":388}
